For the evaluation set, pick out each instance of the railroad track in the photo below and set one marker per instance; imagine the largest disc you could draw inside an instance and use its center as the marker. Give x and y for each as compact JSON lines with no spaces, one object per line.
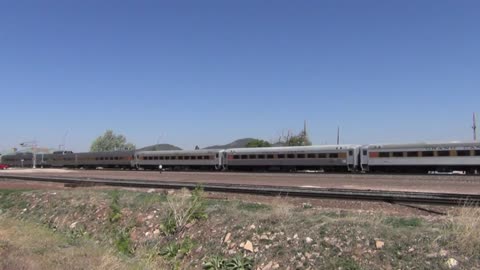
{"x":330,"y":193}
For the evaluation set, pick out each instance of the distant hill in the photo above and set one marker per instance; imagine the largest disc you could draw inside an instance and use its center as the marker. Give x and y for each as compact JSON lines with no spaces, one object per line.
{"x":236,"y":144}
{"x":160,"y":147}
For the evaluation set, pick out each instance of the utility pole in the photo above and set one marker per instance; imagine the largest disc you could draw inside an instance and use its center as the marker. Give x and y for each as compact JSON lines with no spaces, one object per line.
{"x":33,"y":145}
{"x":338,"y":135}
{"x":474,"y":127}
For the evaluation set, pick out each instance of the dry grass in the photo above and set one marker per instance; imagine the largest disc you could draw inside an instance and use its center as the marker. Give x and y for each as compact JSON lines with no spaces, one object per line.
{"x":28,"y":246}
{"x":465,"y":229}
{"x":281,"y":209}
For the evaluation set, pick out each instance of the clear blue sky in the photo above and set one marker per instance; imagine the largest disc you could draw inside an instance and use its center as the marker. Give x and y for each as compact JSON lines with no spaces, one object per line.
{"x":209,"y":72}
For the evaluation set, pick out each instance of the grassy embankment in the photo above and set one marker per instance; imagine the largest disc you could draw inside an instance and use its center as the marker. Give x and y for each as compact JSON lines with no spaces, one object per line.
{"x":81,"y":229}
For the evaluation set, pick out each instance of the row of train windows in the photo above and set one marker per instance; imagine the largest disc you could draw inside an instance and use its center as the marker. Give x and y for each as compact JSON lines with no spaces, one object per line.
{"x":282,"y":156}
{"x":176,"y":157}
{"x":459,"y":153}
{"x":109,"y":158}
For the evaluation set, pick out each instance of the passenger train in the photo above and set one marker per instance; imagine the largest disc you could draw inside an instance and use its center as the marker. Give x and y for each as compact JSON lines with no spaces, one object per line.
{"x":398,"y":158}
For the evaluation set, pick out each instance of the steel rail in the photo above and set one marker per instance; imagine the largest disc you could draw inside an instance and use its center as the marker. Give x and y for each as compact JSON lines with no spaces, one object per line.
{"x":330,"y":193}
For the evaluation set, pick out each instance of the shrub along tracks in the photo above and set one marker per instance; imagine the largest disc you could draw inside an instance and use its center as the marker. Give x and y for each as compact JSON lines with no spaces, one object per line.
{"x":328,"y":193}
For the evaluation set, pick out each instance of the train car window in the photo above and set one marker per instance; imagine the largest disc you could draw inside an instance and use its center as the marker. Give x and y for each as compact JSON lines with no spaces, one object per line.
{"x":208,"y":157}
{"x":216,"y":155}
{"x":412,"y":154}
{"x":300,"y":155}
{"x":116,"y":158}
{"x":427,"y":154}
{"x":477,"y":153}
{"x":161,"y":157}
{"x":443,"y":153}
{"x":236,"y":157}
{"x":290,"y":156}
{"x":463,"y":153}
{"x":193,"y":157}
{"x":155,"y":158}
{"x":350,"y":153}
{"x":384,"y":154}
{"x":280,"y":156}
{"x":364,"y":152}
{"x":333,"y":155}
{"x":311,"y":155}
{"x":398,"y":154}
{"x":252,"y":156}
{"x":261,"y":156}
{"x":167,"y":158}
{"x":173,"y":157}
{"x":199,"y":157}
{"x":186,"y":157}
{"x":244,"y":156}
{"x":180,"y":157}
{"x":270,"y":156}
{"x":322,"y":155}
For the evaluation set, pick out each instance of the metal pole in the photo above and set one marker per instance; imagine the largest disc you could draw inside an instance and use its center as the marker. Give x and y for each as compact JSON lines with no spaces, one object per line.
{"x":474,"y":127}
{"x":338,"y":135}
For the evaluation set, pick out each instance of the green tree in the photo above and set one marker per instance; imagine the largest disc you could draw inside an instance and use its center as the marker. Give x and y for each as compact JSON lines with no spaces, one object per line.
{"x":109,"y":141}
{"x":295,"y":140}
{"x":300,"y":140}
{"x":258,"y":143}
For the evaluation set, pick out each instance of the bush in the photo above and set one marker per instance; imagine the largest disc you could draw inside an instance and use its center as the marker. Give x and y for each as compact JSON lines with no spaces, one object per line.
{"x":464,"y":227}
{"x":183,"y":207}
{"x":220,"y":263}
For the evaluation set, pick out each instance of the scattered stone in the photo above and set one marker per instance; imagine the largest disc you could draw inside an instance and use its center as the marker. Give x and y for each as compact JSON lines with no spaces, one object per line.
{"x":232,"y":251}
{"x":152,"y":190}
{"x":307,"y":205}
{"x":443,"y":253}
{"x":308,"y":240}
{"x":232,"y":245}
{"x":147,"y":234}
{"x":432,"y":255}
{"x":170,"y":191}
{"x":149,"y":216}
{"x":379,"y":244}
{"x":411,"y":249}
{"x":241,"y":245}
{"x":73,"y":225}
{"x":199,"y":249}
{"x":252,"y":227}
{"x":295,"y":236}
{"x":264,"y":237}
{"x":227,"y":238}
{"x":276,"y":266}
{"x":268,"y":266}
{"x":248,"y":246}
{"x":156,"y":232}
{"x":452,"y":263}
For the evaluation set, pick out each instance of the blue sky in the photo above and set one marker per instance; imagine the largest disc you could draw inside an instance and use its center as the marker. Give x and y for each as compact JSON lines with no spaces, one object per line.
{"x":209,"y":72}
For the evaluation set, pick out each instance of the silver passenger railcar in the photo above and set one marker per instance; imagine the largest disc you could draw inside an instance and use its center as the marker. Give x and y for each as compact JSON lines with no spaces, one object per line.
{"x":114,"y":159}
{"x":324,"y":157}
{"x":179,"y":159}
{"x":421,"y":157}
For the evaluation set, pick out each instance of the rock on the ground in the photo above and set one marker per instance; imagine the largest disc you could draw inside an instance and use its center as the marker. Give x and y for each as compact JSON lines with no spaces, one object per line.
{"x":268,"y":266}
{"x":152,"y":190}
{"x":379,"y":244}
{"x":156,"y":232}
{"x":308,"y":240}
{"x":73,"y":225}
{"x":248,"y":246}
{"x":452,"y":263}
{"x":227,"y":237}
